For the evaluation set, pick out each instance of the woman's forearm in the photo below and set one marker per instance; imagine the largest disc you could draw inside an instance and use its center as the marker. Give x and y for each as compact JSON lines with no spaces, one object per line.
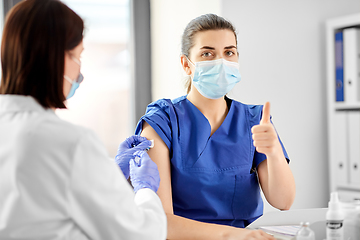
{"x":280,"y":190}
{"x":186,"y":229}
{"x":276,"y":179}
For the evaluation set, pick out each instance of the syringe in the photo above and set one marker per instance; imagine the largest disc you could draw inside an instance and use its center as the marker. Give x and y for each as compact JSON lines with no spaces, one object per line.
{"x":137,"y":159}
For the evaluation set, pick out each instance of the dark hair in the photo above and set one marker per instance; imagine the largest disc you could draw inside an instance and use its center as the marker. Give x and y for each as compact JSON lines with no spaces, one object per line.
{"x":36,"y":35}
{"x":199,"y":24}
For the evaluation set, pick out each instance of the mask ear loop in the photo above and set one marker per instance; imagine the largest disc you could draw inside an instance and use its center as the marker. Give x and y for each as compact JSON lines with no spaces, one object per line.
{"x":191,"y":64}
{"x":75,"y":60}
{"x":190,"y":61}
{"x":80,"y":77}
{"x":68,"y":79}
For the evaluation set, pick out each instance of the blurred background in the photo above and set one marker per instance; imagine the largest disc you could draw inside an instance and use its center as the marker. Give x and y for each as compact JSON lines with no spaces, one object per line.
{"x":131,"y":57}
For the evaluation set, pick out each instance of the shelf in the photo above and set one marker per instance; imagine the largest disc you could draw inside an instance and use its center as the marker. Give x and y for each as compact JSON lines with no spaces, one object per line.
{"x":344,"y":106}
{"x":339,"y":116}
{"x":350,"y":187}
{"x":344,"y":22}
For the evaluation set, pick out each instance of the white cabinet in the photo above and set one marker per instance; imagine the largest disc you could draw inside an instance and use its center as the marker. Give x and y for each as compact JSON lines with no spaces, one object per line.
{"x":339,"y":155}
{"x":344,"y":115}
{"x":354,"y":147}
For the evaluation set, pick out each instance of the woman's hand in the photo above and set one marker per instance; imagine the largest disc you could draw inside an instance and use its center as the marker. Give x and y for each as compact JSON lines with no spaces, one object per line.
{"x":247,"y":234}
{"x":257,"y":234}
{"x":144,"y":173}
{"x":264,"y":136}
{"x":275,"y":176}
{"x":126,"y":150}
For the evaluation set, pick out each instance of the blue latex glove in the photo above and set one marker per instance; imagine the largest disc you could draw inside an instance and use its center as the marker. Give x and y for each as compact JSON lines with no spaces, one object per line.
{"x":127,"y":149}
{"x":144,"y":172}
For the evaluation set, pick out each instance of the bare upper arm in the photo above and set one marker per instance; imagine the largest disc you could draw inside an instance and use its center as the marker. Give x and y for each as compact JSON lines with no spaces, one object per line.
{"x":160,"y":155}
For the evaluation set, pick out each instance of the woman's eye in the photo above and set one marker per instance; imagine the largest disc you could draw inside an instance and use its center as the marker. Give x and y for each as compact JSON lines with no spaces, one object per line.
{"x":206,"y":54}
{"x":230,"y":53}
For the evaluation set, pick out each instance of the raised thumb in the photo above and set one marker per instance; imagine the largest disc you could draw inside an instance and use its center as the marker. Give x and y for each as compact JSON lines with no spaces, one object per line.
{"x":265,"y":113}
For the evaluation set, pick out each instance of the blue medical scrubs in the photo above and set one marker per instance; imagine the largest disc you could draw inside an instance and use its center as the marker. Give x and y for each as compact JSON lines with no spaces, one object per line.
{"x":213,"y":176}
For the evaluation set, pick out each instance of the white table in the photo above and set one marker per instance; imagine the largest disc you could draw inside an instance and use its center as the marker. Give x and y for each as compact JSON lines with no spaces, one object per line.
{"x":315,"y":216}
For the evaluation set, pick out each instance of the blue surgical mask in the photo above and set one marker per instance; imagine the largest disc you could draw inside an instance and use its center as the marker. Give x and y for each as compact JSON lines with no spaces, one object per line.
{"x":213,"y":79}
{"x":76,"y":82}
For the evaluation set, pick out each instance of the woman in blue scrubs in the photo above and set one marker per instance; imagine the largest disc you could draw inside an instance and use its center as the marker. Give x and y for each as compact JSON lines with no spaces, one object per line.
{"x":214,"y":153}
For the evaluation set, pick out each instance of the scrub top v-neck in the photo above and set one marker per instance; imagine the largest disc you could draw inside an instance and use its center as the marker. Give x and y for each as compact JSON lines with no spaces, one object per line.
{"x":213,"y":177}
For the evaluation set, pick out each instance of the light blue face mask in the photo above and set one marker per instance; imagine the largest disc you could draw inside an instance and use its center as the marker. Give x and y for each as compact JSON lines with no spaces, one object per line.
{"x":213,"y":79}
{"x":74,"y":83}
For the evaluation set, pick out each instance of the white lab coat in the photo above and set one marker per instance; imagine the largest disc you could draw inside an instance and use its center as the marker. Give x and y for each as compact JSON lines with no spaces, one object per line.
{"x":57,"y":182}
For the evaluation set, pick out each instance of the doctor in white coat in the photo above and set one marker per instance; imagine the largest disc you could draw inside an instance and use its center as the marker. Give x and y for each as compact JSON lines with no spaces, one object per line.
{"x":56,"y":180}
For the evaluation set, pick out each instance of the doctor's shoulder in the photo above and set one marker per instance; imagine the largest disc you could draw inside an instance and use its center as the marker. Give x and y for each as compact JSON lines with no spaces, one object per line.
{"x":53,"y":133}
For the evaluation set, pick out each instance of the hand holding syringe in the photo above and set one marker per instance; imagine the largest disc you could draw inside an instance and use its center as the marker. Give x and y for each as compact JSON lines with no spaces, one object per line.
{"x":137,"y":158}
{"x":133,"y":160}
{"x":143,"y":171}
{"x":127,"y":149}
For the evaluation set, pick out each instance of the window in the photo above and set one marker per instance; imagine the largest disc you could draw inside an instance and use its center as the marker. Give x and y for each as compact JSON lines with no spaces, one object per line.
{"x":102,"y":102}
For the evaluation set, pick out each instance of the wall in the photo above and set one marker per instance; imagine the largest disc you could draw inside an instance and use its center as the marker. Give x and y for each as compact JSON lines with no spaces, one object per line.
{"x":168,"y":21}
{"x":282,"y":60}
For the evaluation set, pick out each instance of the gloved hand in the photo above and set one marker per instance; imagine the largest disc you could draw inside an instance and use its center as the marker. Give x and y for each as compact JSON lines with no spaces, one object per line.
{"x":144,"y":172}
{"x":126,"y":150}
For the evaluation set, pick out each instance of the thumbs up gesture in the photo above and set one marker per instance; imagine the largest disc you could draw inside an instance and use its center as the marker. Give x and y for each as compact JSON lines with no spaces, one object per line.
{"x":264,"y":136}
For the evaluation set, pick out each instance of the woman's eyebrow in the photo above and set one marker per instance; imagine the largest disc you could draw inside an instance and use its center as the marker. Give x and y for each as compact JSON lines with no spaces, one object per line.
{"x":229,"y":47}
{"x":212,"y":48}
{"x":207,"y":47}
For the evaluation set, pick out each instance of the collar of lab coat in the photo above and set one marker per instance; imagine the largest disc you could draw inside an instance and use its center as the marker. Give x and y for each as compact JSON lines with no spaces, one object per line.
{"x":19,"y":103}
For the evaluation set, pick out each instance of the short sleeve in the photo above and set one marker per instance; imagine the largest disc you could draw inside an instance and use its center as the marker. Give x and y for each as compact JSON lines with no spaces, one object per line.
{"x":255,"y":114}
{"x":158,"y":115}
